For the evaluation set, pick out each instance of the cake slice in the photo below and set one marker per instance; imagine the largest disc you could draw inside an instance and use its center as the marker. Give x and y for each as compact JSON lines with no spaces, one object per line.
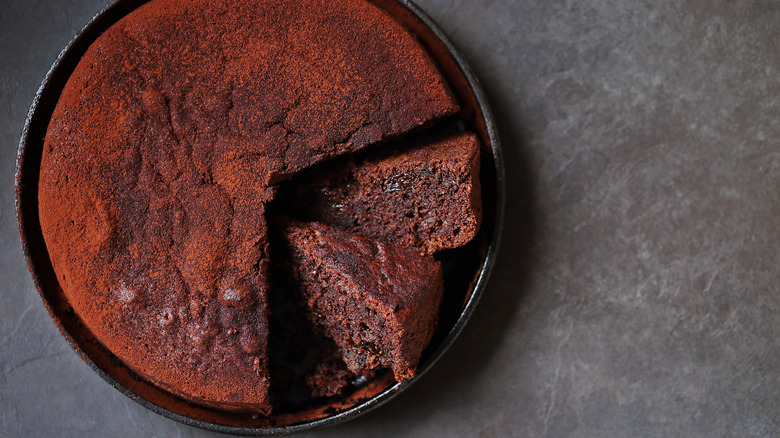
{"x":427,"y":197}
{"x":378,"y":301}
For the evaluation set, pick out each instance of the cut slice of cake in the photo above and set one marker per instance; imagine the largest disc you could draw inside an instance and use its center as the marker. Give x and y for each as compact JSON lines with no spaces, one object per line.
{"x":427,"y":197}
{"x":378,"y":301}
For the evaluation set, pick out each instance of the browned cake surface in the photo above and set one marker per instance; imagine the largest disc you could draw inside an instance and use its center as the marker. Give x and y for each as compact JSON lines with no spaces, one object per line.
{"x":378,"y":301}
{"x":159,"y":160}
{"x":427,"y":197}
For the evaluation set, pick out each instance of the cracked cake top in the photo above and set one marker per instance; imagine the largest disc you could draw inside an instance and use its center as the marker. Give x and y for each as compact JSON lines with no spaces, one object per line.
{"x":164,"y":149}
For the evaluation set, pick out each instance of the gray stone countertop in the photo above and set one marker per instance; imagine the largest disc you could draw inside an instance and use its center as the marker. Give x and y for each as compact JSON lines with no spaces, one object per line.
{"x":636,"y":292}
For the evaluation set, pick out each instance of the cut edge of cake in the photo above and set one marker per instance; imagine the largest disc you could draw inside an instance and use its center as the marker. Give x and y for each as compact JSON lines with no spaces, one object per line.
{"x":426,"y":196}
{"x":378,"y":301}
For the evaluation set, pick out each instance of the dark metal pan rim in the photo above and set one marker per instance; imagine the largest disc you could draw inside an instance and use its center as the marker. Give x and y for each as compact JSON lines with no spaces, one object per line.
{"x":379,"y":399}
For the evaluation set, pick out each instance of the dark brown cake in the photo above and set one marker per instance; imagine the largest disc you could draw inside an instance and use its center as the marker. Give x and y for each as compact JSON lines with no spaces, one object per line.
{"x":160,"y":157}
{"x":378,"y":301}
{"x":330,"y":376}
{"x":427,"y":197}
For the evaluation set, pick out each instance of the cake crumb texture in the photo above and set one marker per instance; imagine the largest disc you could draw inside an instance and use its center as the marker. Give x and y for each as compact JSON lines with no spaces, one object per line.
{"x":426,"y":196}
{"x":378,"y":301}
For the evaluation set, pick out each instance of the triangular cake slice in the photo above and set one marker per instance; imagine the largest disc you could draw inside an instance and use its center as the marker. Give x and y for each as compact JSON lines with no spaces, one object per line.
{"x":427,"y":197}
{"x":378,"y":301}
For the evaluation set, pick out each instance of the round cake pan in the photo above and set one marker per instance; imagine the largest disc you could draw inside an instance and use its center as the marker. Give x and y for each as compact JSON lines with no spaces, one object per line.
{"x":466,"y":269}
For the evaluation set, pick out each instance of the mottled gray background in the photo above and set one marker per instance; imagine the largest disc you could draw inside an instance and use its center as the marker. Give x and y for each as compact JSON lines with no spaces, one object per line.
{"x":637,"y":289}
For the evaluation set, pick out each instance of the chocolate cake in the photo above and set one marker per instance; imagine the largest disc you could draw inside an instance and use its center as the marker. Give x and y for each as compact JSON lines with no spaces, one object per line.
{"x":164,"y":150}
{"x":330,"y":376}
{"x":377,"y":300}
{"x":427,"y":197}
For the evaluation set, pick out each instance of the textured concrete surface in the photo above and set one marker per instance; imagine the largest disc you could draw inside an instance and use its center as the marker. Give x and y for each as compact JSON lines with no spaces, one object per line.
{"x":637,"y":289}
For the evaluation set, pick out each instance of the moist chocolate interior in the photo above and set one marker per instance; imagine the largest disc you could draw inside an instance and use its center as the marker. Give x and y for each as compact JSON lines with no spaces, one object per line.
{"x":422,"y":195}
{"x":295,"y":347}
